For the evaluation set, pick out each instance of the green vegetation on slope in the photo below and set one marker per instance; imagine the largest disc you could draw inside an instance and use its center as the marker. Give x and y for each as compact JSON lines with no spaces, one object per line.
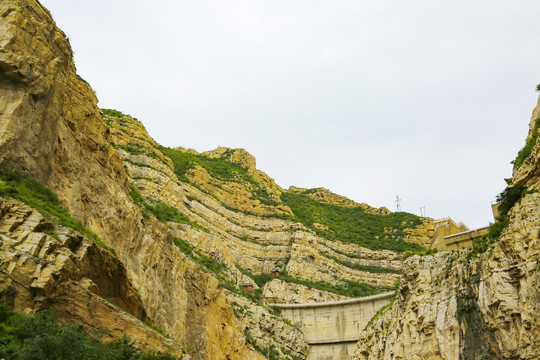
{"x":352,"y":265}
{"x":422,"y":252}
{"x":354,"y":225}
{"x":381,"y":311}
{"x":37,"y":196}
{"x":349,"y":288}
{"x":162,"y":211}
{"x":269,"y":352}
{"x":136,"y":149}
{"x":506,"y":199}
{"x":218,"y":168}
{"x":112,"y":112}
{"x":529,"y":145}
{"x":42,"y":337}
{"x":209,"y":264}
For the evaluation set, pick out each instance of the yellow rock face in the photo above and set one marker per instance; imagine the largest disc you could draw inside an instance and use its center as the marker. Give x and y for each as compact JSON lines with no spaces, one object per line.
{"x":72,"y":275}
{"x":462,"y":305}
{"x":53,"y":131}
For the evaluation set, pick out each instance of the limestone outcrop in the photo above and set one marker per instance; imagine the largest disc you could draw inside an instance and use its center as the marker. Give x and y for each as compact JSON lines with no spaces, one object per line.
{"x":48,"y":266}
{"x":289,"y":293}
{"x":52,"y":130}
{"x":471,"y":304}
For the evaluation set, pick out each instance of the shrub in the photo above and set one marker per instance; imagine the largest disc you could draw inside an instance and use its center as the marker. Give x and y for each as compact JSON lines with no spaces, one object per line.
{"x":508,"y":197}
{"x":162,"y":211}
{"x":381,"y":311}
{"x":42,"y":337}
{"x":529,"y":146}
{"x":371,"y":269}
{"x":217,"y":167}
{"x":112,"y":112}
{"x":422,"y":252}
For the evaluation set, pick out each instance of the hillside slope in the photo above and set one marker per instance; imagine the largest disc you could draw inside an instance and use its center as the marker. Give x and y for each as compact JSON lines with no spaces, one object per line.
{"x":232,"y":212}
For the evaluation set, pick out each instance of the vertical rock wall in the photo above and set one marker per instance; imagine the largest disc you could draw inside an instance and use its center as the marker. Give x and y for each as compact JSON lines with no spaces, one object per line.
{"x":456,"y":306}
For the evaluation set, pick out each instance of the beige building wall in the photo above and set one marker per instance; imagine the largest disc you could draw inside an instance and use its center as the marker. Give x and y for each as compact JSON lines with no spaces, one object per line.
{"x":464,"y":239}
{"x":444,"y":229}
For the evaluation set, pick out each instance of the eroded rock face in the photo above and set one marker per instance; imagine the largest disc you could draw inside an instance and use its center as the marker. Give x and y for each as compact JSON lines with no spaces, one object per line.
{"x":268,"y":330}
{"x":47,"y":266}
{"x":278,"y":291}
{"x":456,"y":306}
{"x":52,"y":130}
{"x":255,"y":242}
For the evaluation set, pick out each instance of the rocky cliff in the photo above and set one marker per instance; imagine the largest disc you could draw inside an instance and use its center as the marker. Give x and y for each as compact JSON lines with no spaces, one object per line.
{"x":478,"y":303}
{"x":164,"y":241}
{"x":52,"y":130}
{"x":48,"y":266}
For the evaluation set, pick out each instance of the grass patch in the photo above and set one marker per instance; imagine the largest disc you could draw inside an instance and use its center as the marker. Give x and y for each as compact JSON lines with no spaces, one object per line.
{"x":207,"y":262}
{"x":246,"y":212}
{"x":270,"y":352}
{"x":220,"y":270}
{"x":381,"y":312}
{"x":217,"y":167}
{"x":350,"y":288}
{"x":41,"y":198}
{"x":371,"y":269}
{"x":138,"y":164}
{"x":354,"y":225}
{"x":506,"y":199}
{"x":42,"y":337}
{"x":422,"y":252}
{"x":221,"y":169}
{"x":112,"y":112}
{"x":162,"y":211}
{"x":136,"y":149}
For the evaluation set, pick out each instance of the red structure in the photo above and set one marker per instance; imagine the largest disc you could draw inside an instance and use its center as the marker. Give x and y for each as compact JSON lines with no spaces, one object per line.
{"x":247,"y":286}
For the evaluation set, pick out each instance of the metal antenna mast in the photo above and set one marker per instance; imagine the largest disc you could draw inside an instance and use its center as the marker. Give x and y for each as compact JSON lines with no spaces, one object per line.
{"x":398,"y":203}
{"x":423,"y":211}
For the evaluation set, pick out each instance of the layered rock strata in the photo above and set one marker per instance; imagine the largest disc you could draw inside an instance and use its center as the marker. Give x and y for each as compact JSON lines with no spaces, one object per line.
{"x":47,"y":266}
{"x":53,"y":131}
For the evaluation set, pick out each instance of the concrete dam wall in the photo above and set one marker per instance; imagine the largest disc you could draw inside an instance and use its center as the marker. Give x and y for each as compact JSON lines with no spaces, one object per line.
{"x":333,"y":328}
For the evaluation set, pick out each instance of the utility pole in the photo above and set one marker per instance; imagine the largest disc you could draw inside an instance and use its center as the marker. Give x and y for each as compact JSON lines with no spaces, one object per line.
{"x":398,"y":203}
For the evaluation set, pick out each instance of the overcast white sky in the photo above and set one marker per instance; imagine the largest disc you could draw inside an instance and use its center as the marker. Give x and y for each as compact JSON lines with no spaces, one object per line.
{"x":427,"y":99}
